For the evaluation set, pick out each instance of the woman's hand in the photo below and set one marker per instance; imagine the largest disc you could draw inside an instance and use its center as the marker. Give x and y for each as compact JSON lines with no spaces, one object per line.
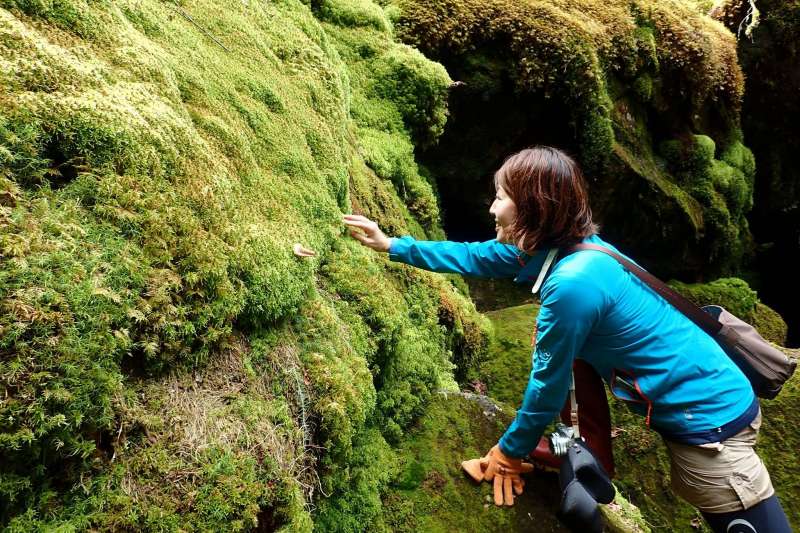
{"x":370,"y":234}
{"x":503,"y":471}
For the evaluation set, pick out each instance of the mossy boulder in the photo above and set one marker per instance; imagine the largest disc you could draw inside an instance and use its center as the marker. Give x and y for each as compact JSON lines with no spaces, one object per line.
{"x":431,"y":493}
{"x":736,"y":296}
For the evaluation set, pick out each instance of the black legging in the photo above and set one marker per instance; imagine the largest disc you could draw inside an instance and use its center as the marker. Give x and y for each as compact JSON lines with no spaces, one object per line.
{"x":766,"y":517}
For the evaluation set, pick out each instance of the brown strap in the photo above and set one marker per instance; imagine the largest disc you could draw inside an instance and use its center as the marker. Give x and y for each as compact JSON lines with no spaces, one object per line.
{"x":708,"y":323}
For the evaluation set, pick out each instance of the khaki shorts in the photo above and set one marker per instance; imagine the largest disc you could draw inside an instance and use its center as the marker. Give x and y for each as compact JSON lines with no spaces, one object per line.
{"x":721,"y":477}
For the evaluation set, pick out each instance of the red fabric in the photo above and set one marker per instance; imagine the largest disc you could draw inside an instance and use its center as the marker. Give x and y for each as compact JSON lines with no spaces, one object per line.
{"x":593,"y":414}
{"x":543,"y":457}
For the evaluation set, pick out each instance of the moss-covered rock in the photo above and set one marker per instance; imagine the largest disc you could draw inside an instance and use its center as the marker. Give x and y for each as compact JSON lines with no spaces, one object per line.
{"x":431,"y":493}
{"x":509,"y":363}
{"x":736,"y":296}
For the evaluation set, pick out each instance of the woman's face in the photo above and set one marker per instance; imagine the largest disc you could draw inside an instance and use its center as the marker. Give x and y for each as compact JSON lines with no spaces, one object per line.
{"x":505,"y":212}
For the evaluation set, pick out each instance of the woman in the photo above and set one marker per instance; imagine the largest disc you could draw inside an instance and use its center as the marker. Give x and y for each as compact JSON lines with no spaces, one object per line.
{"x":592,"y":309}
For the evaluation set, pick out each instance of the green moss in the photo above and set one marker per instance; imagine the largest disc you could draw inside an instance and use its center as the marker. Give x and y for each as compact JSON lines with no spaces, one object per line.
{"x":692,"y":155}
{"x":431,"y":493}
{"x":776,"y":445}
{"x":508,"y":364}
{"x":404,"y":324}
{"x":360,"y":13}
{"x":770,"y":324}
{"x":568,"y":50}
{"x":392,"y":158}
{"x":643,"y":87}
{"x":70,"y":15}
{"x":152,"y":184}
{"x":358,"y":506}
{"x":417,"y":86}
{"x":214,"y":449}
{"x":602,"y":80}
{"x":621,"y":516}
{"x":724,"y":187}
{"x":739,"y":156}
{"x":467,"y":333}
{"x":395,"y":89}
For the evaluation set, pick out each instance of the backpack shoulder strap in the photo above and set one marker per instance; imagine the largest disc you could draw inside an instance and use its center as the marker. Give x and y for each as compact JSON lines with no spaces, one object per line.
{"x":708,"y":323}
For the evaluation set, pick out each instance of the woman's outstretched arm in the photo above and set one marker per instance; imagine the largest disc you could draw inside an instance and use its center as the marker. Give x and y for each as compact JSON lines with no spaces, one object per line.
{"x":489,"y":259}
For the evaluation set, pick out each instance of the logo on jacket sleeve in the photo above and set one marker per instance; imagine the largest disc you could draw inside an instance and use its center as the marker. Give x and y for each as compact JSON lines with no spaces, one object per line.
{"x":542,"y":357}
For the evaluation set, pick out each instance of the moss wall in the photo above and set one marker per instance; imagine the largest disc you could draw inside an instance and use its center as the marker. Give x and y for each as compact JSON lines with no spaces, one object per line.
{"x":166,"y":363}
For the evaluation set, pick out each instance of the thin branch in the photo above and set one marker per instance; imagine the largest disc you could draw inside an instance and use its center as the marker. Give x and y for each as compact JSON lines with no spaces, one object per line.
{"x":751,"y":19}
{"x":188,"y":17}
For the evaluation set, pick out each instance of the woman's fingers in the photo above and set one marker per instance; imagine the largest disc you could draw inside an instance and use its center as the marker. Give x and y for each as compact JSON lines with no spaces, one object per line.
{"x":360,"y":237}
{"x":359,"y":223}
{"x":366,"y":227}
{"x":355,"y":217}
{"x":358,"y":220}
{"x":519,"y":485}
{"x":367,"y":232}
{"x":508,"y":494}
{"x":498,"y":490}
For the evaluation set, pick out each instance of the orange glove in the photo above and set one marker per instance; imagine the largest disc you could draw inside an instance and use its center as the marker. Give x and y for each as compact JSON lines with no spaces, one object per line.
{"x":503,"y":470}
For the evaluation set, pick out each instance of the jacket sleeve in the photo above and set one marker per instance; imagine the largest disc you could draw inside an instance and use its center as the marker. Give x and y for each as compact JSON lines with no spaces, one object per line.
{"x":489,"y":259}
{"x":569,"y":310}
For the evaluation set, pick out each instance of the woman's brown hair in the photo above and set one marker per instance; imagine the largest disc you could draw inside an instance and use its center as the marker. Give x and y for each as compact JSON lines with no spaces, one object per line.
{"x":548,"y":188}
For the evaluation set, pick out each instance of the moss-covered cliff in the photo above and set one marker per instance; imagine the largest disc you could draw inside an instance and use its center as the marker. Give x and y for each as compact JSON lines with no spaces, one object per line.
{"x":166,"y":362}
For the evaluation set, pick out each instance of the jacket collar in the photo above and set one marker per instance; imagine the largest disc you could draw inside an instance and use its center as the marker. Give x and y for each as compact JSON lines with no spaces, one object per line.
{"x":533,"y":266}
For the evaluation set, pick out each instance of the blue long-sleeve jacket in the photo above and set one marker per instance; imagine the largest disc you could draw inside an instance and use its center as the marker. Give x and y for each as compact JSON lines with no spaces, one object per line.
{"x":649,"y":353}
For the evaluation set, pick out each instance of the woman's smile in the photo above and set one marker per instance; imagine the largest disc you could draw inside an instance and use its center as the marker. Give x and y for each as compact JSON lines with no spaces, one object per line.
{"x":504,"y":212}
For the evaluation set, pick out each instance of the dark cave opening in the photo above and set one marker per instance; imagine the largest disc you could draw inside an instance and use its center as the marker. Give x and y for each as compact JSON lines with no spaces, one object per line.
{"x":775,"y":224}
{"x":770,"y":113}
{"x":489,"y":120}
